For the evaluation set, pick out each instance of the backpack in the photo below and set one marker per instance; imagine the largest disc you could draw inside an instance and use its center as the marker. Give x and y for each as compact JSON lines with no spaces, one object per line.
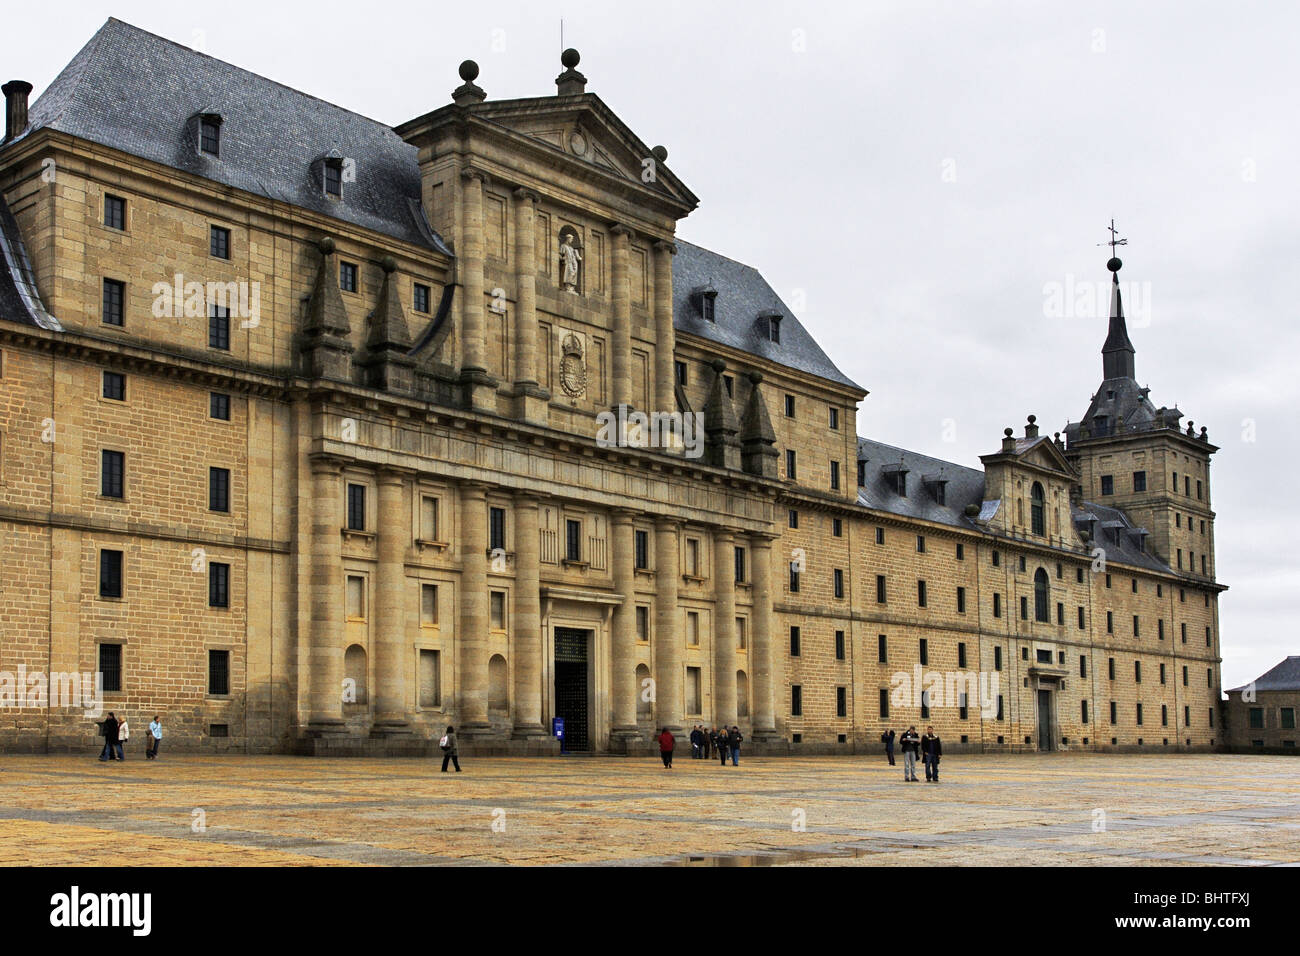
{"x":443,"y":742}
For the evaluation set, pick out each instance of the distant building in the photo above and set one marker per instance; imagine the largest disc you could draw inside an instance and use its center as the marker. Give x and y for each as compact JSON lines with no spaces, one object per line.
{"x":1261,"y":715}
{"x":305,"y":444}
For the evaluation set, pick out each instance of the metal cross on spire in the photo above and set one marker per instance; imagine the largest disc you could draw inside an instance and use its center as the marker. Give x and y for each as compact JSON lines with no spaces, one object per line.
{"x":1113,"y":240}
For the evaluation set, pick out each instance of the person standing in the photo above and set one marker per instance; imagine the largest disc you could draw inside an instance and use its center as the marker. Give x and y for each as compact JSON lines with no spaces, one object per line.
{"x":720,"y":743}
{"x":449,"y":752}
{"x":910,"y":742}
{"x":707,"y":742}
{"x":931,"y":751}
{"x":123,"y":735}
{"x":155,"y":738}
{"x":887,"y":738}
{"x":696,"y":742}
{"x":734,"y":740}
{"x":666,"y":744}
{"x":109,"y":730}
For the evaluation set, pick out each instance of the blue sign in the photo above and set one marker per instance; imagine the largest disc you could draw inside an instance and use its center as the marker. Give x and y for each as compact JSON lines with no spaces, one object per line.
{"x":557,"y":727}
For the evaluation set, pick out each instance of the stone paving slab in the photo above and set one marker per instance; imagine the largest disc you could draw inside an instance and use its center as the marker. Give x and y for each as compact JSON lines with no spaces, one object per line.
{"x":1014,"y":809}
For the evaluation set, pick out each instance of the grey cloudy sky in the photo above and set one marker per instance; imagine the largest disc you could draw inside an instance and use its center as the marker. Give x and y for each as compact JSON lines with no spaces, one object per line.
{"x":919,"y":174}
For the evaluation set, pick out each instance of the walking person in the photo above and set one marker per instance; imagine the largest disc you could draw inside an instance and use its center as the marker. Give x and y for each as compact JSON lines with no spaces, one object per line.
{"x":108,"y":729}
{"x":123,"y":735}
{"x":910,"y":742}
{"x":720,"y":744}
{"x":154,"y":739}
{"x":449,"y":751}
{"x":666,"y":744}
{"x":931,"y":751}
{"x":887,"y":738}
{"x":734,"y":740}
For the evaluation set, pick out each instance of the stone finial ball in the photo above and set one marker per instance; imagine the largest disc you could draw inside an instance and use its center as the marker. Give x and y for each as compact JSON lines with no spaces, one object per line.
{"x":755,"y":377}
{"x":570,"y":58}
{"x":718,"y":365}
{"x":660,"y":153}
{"x":1032,"y":419}
{"x":388,"y":264}
{"x":1008,"y":432}
{"x":469,"y":71}
{"x":1114,"y":264}
{"x":326,"y":246}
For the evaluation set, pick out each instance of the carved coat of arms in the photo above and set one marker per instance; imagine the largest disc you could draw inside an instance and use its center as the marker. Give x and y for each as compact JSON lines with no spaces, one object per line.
{"x":573,"y":365}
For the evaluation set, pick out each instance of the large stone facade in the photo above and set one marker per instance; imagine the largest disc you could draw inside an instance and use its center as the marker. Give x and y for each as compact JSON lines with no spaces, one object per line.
{"x":379,"y":497}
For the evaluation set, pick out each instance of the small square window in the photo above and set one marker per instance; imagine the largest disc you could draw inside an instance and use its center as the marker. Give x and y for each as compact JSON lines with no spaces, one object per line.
{"x":115,"y":386}
{"x":219,"y":242}
{"x":348,"y":276}
{"x":420,"y":298}
{"x":114,"y":212}
{"x":1107,"y":484}
{"x":219,"y":406}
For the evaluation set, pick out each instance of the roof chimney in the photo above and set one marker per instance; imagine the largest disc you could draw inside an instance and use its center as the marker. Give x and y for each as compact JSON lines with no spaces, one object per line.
{"x":570,"y":82}
{"x":1008,"y":441}
{"x":16,"y":93}
{"x":1031,"y":429}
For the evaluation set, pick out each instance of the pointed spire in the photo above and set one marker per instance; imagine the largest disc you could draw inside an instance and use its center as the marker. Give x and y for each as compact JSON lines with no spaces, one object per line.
{"x":388,"y":341}
{"x":757,"y":438}
{"x":720,"y":423}
{"x":1118,"y":352}
{"x":326,"y":344}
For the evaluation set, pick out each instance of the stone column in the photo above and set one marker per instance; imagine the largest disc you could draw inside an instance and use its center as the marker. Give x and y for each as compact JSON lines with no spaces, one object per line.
{"x":762,"y":657}
{"x":527,"y":624}
{"x":531,"y":400}
{"x":328,"y":595}
{"x":623,"y":687}
{"x":669,"y":679}
{"x":724,"y":629}
{"x":472,"y":679}
{"x":391,"y":637}
{"x":478,"y":383}
{"x":665,"y":336}
{"x":621,"y":360}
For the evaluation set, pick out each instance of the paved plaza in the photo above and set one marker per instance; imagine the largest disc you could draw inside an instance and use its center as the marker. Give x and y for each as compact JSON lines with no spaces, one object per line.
{"x":1050,"y":809}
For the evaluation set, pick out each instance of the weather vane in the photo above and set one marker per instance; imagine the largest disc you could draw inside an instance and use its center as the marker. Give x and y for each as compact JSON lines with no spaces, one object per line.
{"x":1114,"y":263}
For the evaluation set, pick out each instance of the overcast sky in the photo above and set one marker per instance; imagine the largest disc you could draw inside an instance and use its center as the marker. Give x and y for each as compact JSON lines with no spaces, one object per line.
{"x":923,"y":176}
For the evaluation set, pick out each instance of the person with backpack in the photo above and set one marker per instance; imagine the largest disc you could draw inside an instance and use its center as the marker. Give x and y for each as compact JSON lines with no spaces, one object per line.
{"x":911,"y":742}
{"x":108,"y":730}
{"x":449,"y":752}
{"x":931,"y":751}
{"x":666,"y":744}
{"x":887,"y":738}
{"x":734,"y":740}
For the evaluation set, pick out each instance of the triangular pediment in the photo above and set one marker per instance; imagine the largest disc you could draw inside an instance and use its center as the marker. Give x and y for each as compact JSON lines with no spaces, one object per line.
{"x":1045,"y":454}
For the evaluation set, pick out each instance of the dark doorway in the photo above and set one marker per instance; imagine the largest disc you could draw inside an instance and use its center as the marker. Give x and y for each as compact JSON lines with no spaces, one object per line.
{"x":571,"y":686}
{"x":1044,"y":720}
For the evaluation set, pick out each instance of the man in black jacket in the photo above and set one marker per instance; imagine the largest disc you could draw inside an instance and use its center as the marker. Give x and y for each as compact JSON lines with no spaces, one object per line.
{"x":109,"y":731}
{"x":931,"y":751}
{"x":909,"y":742}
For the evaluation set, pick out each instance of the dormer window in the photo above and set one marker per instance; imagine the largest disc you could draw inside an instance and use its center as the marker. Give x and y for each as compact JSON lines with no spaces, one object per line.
{"x":210,"y":134}
{"x":774,"y":328}
{"x":334,"y":178}
{"x":937,"y":486}
{"x":703,"y":297}
{"x":896,"y":477}
{"x":706,"y":308}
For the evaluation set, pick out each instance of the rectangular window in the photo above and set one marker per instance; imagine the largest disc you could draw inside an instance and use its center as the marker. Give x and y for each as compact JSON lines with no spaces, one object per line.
{"x":210,"y":136}
{"x":961,"y":653}
{"x":642,"y":539}
{"x":789,"y":406}
{"x":573,"y":540}
{"x":428,"y":518}
{"x":430,"y":683}
{"x":1162,"y":673}
{"x":356,"y":507}
{"x":1208,"y":639}
{"x":112,"y":474}
{"x":1083,"y":666}
{"x":997,"y":605}
{"x":880,"y":589}
{"x":114,"y":386}
{"x":925,"y":705}
{"x":884,"y":702}
{"x":920,"y":594}
{"x":1110,"y":668}
{"x":1000,"y":713}
{"x":1083,"y":711}
{"x":839,"y":583}
{"x":348,"y":276}
{"x":1078,"y":575}
{"x":680,"y":369}
{"x":1024,"y":608}
{"x":497,"y":610}
{"x":497,"y":528}
{"x":1137,"y":632}
{"x":1137,"y":672}
{"x":794,"y":579}
{"x":837,"y":528}
{"x":219,"y":489}
{"x":420,"y":298}
{"x":693,"y":557}
{"x":1060,"y":613}
{"x":218,"y":585}
{"x":882,"y":643}
{"x":219,"y":328}
{"x":796,"y":700}
{"x":924,"y":650}
{"x":1198,"y":489}
{"x":962,"y":711}
{"x":795,"y":641}
{"x":1139,"y":481}
{"x":693,"y":695}
{"x":643,"y":623}
{"x":839,"y":645}
{"x":693,"y":628}
{"x":218,"y":673}
{"x":740,"y":565}
{"x":219,"y":406}
{"x":741,"y":642}
{"x":333,"y":179}
{"x":114,"y":295}
{"x":1110,"y":622}
{"x":794,"y":518}
{"x":1288,"y":718}
{"x":1139,"y":715}
{"x":961,"y":552}
{"x":1257,"y":718}
{"x":1043,"y":656}
{"x":997,"y":658}
{"x":110,"y":573}
{"x":835,"y":418}
{"x":841,"y":701}
{"x":219,"y":242}
{"x":1113,"y":710}
{"x":1081,"y":621}
{"x":110,"y":666}
{"x":114,"y":212}
{"x":835,"y":476}
{"x":961,"y":600}
{"x":880,"y":535}
{"x":790,"y":470}
{"x":428,"y":605}
{"x":356,"y":597}
{"x":1107,"y":484}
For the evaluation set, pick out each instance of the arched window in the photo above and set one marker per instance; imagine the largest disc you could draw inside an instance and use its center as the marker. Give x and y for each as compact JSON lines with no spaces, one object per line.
{"x":354,"y":670}
{"x":498,"y":697}
{"x":1040,"y":595}
{"x":1036,"y":509}
{"x":643,"y":697}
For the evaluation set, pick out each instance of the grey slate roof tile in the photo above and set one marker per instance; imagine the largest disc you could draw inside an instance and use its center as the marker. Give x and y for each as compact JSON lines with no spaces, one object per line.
{"x":1285,"y":676}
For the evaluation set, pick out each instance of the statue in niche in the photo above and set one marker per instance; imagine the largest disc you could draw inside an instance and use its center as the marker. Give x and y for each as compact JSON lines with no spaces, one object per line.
{"x":570,"y":263}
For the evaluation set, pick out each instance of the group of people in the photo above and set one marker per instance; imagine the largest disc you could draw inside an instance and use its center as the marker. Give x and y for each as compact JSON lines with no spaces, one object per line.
{"x":929,"y":748}
{"x":117,"y":732}
{"x":705,"y":742}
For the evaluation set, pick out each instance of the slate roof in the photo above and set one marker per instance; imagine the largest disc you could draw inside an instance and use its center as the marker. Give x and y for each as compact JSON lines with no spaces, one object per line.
{"x":964,"y":485}
{"x":1122,"y":547}
{"x":136,"y":92}
{"x":19,"y":299}
{"x":742,"y":295}
{"x":1285,"y":676}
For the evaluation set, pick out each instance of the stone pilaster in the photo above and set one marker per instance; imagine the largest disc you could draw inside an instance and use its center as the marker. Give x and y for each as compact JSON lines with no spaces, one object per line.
{"x":392,"y":692}
{"x":669,"y":679}
{"x":724,"y":630}
{"x":762,"y":654}
{"x":527,"y":621}
{"x":665,"y":396}
{"x":621,"y":358}
{"x":532,"y":402}
{"x":623,"y":688}
{"x":472,"y":677}
{"x":479,"y":385}
{"x":327,"y":599}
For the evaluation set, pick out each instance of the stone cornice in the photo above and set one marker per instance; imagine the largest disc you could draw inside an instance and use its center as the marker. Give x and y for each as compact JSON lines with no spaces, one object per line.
{"x":143,"y":529}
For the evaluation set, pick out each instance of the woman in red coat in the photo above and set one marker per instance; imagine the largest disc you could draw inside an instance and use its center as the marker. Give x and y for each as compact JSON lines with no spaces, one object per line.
{"x":666,"y":743}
